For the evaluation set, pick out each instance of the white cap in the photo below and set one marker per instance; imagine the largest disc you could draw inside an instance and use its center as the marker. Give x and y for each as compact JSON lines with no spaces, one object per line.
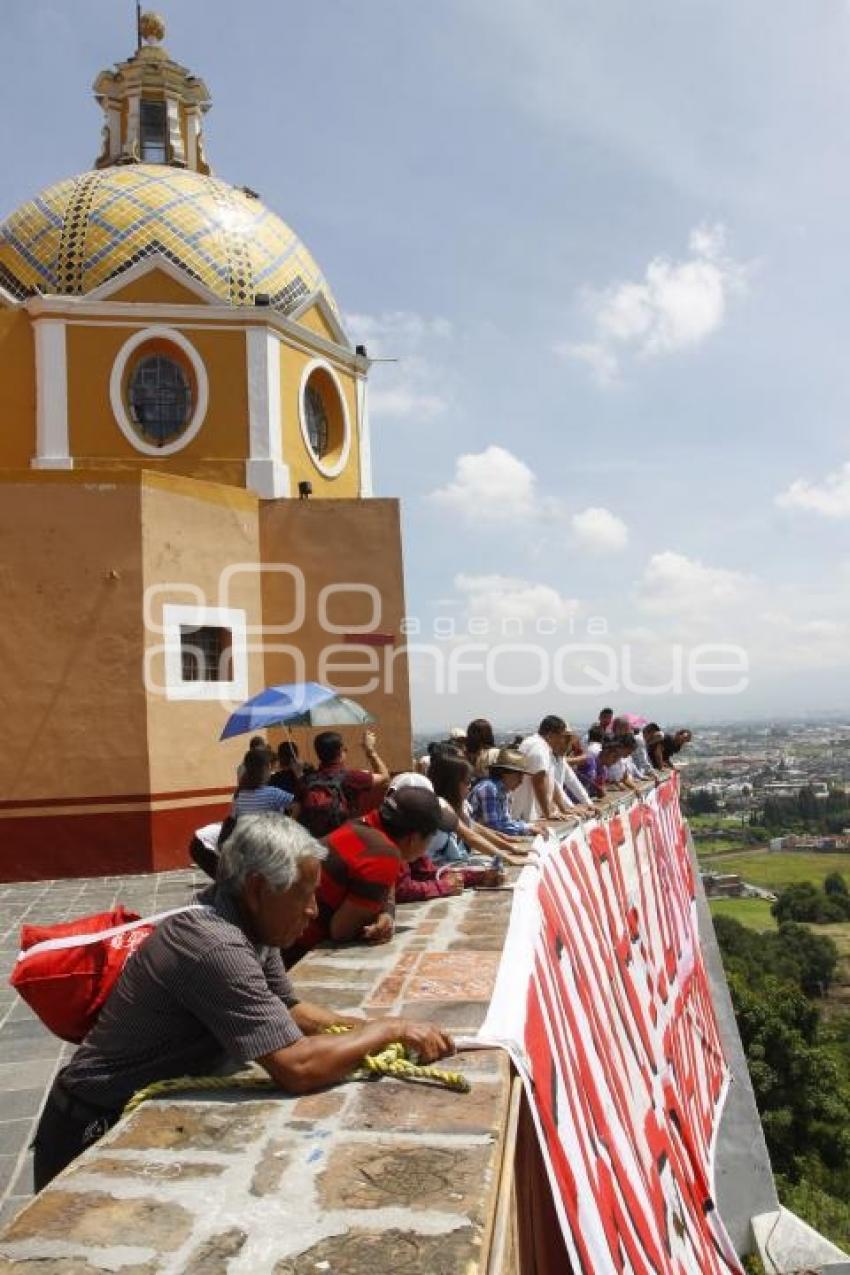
{"x":409,"y":779}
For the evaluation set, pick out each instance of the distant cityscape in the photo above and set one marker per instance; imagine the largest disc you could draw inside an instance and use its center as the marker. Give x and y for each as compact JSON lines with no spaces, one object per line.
{"x":744,"y":763}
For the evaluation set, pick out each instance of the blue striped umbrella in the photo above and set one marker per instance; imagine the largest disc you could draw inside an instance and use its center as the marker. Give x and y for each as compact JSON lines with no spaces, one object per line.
{"x":295,"y":704}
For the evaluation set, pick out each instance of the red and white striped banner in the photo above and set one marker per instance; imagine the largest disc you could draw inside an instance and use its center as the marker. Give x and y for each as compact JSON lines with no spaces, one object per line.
{"x":603,"y":999}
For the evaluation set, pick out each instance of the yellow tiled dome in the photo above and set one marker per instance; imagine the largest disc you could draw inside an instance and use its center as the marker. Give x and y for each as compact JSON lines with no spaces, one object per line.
{"x":77,"y":234}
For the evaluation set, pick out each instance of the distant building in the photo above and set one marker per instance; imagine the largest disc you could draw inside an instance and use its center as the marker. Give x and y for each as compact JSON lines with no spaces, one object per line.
{"x":819,"y":844}
{"x":722,"y":885}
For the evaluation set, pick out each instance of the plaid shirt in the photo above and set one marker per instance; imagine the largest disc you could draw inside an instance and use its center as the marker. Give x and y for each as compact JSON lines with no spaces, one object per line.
{"x":489,"y":802}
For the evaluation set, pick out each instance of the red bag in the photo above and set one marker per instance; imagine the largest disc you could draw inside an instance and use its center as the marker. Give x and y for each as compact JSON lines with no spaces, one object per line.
{"x":65,"y":972}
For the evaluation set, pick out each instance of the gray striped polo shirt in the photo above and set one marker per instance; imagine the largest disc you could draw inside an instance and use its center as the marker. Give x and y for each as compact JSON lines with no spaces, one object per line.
{"x":197,"y":992}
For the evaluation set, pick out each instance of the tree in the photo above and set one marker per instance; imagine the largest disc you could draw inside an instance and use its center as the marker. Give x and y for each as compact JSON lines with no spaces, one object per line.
{"x":701,"y":802}
{"x":805,"y":902}
{"x":834,"y":884}
{"x":807,"y":804}
{"x":815,"y":955}
{"x":799,"y":902}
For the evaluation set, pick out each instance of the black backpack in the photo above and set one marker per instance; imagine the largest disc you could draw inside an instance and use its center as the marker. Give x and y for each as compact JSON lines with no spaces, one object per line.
{"x":324,"y":803}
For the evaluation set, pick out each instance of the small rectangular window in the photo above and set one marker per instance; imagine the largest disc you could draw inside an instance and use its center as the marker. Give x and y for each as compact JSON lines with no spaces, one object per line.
{"x":153,"y":132}
{"x":206,"y":654}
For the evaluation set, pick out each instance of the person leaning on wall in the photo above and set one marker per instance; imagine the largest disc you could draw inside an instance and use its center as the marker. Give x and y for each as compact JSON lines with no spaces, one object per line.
{"x":209,"y":986}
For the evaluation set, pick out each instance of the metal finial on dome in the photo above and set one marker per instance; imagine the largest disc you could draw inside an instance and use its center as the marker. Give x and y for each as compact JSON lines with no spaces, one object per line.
{"x":151,"y":28}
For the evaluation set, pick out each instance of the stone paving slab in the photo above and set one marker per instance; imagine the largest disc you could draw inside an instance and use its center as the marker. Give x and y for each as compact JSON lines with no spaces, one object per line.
{"x":30,"y":1055}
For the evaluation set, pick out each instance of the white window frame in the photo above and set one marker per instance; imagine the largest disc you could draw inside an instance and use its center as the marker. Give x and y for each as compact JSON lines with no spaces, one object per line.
{"x":116,"y":390}
{"x":174,"y":619}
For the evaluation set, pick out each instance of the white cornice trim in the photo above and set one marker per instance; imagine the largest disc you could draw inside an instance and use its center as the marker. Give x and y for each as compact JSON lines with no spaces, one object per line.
{"x":156,"y":261}
{"x":317,"y":300}
{"x":135,"y":313}
{"x":6,"y":298}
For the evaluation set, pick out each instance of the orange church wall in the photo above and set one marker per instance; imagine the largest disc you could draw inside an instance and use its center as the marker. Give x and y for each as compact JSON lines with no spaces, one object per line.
{"x":99,"y":773}
{"x":17,"y":389}
{"x":74,"y":722}
{"x":295,"y":453}
{"x":218,"y":450}
{"x":335,"y":542}
{"x":192,"y":532}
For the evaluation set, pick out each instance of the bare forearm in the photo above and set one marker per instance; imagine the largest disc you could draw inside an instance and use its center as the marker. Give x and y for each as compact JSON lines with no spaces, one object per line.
{"x":316,"y":1061}
{"x":494,"y":840}
{"x":380,"y":770}
{"x":541,"y":793}
{"x":479,"y":839}
{"x":315,"y":1018}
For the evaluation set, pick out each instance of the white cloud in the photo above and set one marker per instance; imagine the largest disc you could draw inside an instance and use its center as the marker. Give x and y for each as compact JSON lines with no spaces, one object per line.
{"x":790,"y":642}
{"x":497,"y":598}
{"x":395,"y":330}
{"x":677,"y":304}
{"x":603,"y":364}
{"x":599,"y":531}
{"x":673,"y":584}
{"x":404,"y":389}
{"x":403,"y":401}
{"x":831,"y":498}
{"x":493,"y":485}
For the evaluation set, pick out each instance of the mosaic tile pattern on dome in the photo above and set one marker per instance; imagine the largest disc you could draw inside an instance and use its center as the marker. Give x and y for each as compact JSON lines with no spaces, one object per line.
{"x":76,"y":235}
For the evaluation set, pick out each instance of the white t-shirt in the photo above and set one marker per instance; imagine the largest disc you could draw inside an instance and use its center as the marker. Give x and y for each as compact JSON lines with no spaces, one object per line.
{"x":571,"y":787}
{"x":622,"y":769}
{"x":539,"y":756}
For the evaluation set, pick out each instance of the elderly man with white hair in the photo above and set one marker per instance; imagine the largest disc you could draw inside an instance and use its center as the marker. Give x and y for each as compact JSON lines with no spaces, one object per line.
{"x":209,"y":986}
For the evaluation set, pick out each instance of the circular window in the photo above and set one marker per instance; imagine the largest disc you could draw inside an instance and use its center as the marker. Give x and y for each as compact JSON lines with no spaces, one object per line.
{"x":159,"y":391}
{"x":324,"y":418}
{"x":160,"y":398}
{"x":317,"y":421}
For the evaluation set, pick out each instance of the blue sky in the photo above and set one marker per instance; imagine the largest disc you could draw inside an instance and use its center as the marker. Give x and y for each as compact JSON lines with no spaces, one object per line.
{"x":609,"y":245}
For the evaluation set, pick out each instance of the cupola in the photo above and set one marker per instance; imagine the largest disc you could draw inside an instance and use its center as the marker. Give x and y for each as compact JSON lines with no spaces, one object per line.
{"x":153,"y":107}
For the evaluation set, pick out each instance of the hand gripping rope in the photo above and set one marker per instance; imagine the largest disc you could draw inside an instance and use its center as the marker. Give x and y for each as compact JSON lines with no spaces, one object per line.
{"x":392,"y":1061}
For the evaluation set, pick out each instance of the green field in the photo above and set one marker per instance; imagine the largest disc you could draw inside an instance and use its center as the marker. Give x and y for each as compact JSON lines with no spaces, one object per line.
{"x":779,"y":868}
{"x":754,"y":913}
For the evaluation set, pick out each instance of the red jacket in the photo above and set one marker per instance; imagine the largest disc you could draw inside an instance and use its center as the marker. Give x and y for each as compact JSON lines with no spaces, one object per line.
{"x":418,"y":881}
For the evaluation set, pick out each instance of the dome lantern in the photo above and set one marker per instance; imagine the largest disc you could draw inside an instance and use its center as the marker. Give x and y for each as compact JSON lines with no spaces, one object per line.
{"x":153,"y":107}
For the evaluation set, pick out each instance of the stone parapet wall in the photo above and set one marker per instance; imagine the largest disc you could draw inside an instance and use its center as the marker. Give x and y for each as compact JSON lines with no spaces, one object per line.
{"x":364,"y":1177}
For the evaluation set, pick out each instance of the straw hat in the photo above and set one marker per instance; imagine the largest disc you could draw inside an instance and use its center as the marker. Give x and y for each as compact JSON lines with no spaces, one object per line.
{"x":510,"y":759}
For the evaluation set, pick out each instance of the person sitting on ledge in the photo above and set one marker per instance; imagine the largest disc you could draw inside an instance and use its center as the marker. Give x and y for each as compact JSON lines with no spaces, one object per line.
{"x":672,"y":744}
{"x":355,"y":894}
{"x":451,"y":778}
{"x":540,"y":796}
{"x":209,"y":987}
{"x":290,"y":769}
{"x":444,"y":868}
{"x":490,"y":800}
{"x":479,"y":741}
{"x":255,"y":794}
{"x":334,"y":792}
{"x":622,"y":772}
{"x":593,"y":771}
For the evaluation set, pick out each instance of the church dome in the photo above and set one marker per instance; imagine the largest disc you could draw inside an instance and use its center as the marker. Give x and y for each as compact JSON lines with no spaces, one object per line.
{"x":81,"y":232}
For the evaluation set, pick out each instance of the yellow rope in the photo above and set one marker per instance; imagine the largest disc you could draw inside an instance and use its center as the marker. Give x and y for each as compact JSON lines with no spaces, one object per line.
{"x":392,"y":1061}
{"x":181,"y":1083}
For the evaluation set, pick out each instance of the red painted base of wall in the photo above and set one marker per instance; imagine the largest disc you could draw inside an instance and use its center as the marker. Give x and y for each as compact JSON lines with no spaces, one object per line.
{"x":98,"y":845}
